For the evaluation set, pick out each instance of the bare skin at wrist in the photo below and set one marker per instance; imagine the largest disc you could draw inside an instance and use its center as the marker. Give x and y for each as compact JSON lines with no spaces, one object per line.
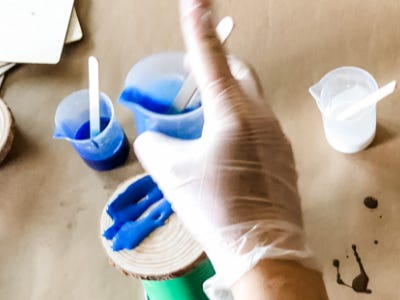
{"x":280,"y":279}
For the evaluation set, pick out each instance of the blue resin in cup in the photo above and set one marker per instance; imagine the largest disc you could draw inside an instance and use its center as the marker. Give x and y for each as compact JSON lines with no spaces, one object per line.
{"x":149,"y":91}
{"x":109,"y":149}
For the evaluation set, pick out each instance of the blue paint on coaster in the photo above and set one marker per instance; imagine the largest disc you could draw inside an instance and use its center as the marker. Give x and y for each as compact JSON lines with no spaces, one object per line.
{"x":134,"y":193}
{"x":127,"y":230}
{"x":133,"y":233}
{"x":132,"y":212}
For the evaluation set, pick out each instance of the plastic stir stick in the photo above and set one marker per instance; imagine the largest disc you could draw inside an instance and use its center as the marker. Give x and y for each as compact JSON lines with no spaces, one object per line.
{"x":94,"y":97}
{"x":189,"y":87}
{"x":368,"y":101}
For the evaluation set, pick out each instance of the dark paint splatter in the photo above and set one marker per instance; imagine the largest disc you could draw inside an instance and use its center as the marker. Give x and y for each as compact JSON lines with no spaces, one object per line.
{"x":360,"y":282}
{"x":371,"y":202}
{"x":339,"y":280}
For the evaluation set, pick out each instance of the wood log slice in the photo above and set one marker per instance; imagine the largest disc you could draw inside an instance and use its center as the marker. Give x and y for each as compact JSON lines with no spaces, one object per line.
{"x":168,"y":252}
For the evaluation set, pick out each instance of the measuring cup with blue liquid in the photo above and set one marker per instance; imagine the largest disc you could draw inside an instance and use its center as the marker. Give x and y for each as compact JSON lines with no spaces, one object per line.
{"x":109,"y":149}
{"x":149,"y":91}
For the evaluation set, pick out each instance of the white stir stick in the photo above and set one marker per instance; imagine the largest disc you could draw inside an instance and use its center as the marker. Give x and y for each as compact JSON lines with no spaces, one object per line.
{"x":368,"y":101}
{"x":94,"y":97}
{"x":189,"y":87}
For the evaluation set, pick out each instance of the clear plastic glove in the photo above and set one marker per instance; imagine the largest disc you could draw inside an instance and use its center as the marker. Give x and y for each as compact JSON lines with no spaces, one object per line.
{"x":234,"y":188}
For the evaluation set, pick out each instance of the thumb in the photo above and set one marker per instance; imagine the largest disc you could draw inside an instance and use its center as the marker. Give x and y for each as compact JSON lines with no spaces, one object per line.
{"x":207,"y":57}
{"x":168,"y":160}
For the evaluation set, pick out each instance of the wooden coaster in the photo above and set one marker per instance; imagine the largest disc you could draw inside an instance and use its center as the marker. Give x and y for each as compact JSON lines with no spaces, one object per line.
{"x":6,"y":130}
{"x":166,"y":253}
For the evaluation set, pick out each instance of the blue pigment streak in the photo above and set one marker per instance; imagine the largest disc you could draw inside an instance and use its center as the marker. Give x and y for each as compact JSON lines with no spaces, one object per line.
{"x":132,"y":212}
{"x":133,"y":233}
{"x":137,"y":96}
{"x":134,"y":193}
{"x":159,"y":97}
{"x":117,"y":158}
{"x":127,"y":230}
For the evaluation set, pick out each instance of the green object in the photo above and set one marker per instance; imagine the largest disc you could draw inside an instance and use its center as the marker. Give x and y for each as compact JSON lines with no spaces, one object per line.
{"x":187,"y":287}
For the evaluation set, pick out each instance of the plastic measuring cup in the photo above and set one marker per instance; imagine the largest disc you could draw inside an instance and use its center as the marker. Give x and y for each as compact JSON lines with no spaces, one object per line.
{"x":150,"y":89}
{"x":335,"y":92}
{"x":108,"y":149}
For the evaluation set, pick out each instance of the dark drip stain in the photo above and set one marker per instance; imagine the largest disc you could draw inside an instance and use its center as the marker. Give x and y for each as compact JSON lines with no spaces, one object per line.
{"x":371,"y":202}
{"x":360,"y":282}
{"x":376,"y":242}
{"x":339,"y":280}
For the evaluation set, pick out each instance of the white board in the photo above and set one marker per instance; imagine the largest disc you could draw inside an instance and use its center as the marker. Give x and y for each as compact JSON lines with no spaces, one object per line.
{"x":33,"y":31}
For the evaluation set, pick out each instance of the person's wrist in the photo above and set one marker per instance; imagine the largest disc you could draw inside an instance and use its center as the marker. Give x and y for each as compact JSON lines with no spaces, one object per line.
{"x":280,"y":279}
{"x":232,"y":257}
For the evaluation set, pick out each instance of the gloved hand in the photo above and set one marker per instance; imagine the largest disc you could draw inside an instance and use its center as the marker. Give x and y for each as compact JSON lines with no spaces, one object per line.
{"x":235,"y":187}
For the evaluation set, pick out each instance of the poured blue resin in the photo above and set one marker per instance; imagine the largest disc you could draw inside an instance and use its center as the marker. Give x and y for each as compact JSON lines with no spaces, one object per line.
{"x":132,"y":212}
{"x":134,"y":193}
{"x":127,"y":231}
{"x":133,"y":233}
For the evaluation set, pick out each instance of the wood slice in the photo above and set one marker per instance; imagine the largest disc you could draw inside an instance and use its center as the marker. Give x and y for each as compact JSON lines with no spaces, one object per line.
{"x":166,"y":253}
{"x":6,"y":130}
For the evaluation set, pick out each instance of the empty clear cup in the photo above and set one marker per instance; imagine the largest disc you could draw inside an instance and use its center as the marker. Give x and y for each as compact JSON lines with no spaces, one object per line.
{"x":107,"y":150}
{"x":334,"y":93}
{"x":150,"y":88}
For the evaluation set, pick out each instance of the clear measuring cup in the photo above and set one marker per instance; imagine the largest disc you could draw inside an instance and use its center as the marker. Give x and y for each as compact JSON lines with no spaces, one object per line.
{"x":150,"y":88}
{"x":107,"y":150}
{"x":336,"y":91}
